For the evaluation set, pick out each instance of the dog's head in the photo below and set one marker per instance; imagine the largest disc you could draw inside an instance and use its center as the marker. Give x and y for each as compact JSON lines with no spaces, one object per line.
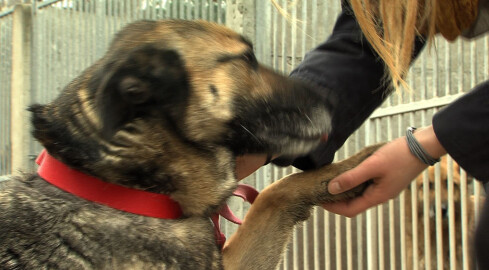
{"x":445,"y":169}
{"x":178,"y":100}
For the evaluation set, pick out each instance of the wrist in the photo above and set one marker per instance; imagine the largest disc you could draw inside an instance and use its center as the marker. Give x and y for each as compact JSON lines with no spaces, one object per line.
{"x":426,"y":137}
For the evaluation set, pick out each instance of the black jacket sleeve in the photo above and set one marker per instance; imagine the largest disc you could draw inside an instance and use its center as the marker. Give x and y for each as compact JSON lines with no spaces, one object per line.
{"x":349,"y":75}
{"x":463,"y":129}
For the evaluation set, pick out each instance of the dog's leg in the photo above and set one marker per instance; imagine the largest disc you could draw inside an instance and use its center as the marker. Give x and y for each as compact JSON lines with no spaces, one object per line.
{"x":260,"y":241}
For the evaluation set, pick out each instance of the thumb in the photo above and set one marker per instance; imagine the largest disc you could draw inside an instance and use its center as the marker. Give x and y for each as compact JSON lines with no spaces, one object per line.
{"x":352,"y":178}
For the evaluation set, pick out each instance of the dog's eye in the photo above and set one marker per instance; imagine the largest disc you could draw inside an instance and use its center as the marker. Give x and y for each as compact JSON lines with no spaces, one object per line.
{"x":250,"y":58}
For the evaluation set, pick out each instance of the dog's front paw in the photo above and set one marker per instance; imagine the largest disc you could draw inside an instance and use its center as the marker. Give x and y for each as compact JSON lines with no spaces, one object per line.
{"x":336,"y":169}
{"x":327,"y":197}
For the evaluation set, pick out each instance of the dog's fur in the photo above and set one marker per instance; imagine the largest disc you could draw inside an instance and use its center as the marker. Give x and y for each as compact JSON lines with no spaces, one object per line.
{"x":445,"y":168}
{"x":167,"y":110}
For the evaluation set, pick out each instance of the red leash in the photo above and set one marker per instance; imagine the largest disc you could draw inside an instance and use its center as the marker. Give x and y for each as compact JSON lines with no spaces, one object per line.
{"x":127,"y":199}
{"x":248,"y":194}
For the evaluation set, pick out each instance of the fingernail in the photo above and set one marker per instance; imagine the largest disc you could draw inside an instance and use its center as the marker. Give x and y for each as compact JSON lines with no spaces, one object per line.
{"x":334,"y":187}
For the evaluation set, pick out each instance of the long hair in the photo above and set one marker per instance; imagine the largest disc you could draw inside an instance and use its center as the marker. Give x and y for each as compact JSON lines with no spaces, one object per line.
{"x":391,"y":27}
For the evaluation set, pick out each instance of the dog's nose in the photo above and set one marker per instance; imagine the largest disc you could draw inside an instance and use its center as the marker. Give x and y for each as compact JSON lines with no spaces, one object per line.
{"x":444,"y":210}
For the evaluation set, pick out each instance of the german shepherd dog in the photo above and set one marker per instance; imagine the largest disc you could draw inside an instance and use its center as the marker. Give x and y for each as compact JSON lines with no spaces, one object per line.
{"x":166,"y":111}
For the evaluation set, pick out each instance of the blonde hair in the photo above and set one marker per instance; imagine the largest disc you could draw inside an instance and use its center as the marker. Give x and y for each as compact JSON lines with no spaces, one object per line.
{"x":391,"y":27}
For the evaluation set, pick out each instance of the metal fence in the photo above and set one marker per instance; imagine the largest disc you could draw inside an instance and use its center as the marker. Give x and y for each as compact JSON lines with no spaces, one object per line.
{"x":5,"y":85}
{"x":68,"y":35}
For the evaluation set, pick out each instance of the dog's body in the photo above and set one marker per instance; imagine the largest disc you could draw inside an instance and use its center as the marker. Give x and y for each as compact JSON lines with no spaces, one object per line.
{"x":167,"y":110}
{"x":445,"y":169}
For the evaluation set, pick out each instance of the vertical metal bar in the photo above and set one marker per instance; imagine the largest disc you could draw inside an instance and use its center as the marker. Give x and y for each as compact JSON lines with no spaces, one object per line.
{"x":91,"y":44}
{"x":5,"y":94}
{"x":414,"y":216}
{"x":315,"y":222}
{"x":283,"y":51}
{"x":65,"y":41}
{"x":40,"y":50}
{"x":275,"y":47}
{"x":75,"y":48}
{"x":438,"y":220}
{"x":220,"y":18}
{"x":426,"y":211}
{"x":426,"y":221}
{"x":486,"y":59}
{"x":402,"y":209}
{"x":371,"y":251}
{"x":20,"y":86}
{"x":295,"y":249}
{"x":304,"y":9}
{"x":477,"y":199}
{"x":448,"y":69}
{"x":181,"y":8}
{"x":327,"y":241}
{"x":371,"y":218}
{"x":51,"y":56}
{"x":188,"y":9}
{"x":464,"y":217}
{"x":212,"y":6}
{"x":314,"y":19}
{"x":37,"y":56}
{"x":56,"y":51}
{"x":277,"y":174}
{"x":338,"y":246}
{"x":473,"y":62}
{"x":349,"y":244}
{"x":109,"y":15}
{"x":3,"y":97}
{"x":263,"y":32}
{"x":359,"y":228}
{"x":203,"y":9}
{"x":461,"y":65}
{"x":451,"y":216}
{"x":293,"y":34}
{"x":424,"y":82}
{"x":380,"y":211}
{"x":412,"y":83}
{"x":434,"y":59}
{"x":392,"y":223}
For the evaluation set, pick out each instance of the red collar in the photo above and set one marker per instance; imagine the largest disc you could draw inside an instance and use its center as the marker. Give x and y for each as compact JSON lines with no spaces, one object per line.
{"x":119,"y":197}
{"x":127,"y":199}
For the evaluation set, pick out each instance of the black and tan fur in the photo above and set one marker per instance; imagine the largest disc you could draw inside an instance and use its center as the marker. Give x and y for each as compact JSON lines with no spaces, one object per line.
{"x":167,"y":110}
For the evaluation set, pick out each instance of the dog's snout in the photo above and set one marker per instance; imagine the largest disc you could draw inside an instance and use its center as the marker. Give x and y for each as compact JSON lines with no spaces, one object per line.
{"x":444,"y":210}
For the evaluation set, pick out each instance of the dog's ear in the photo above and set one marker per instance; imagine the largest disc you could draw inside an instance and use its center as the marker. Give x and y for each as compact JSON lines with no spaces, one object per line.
{"x":137,"y":85}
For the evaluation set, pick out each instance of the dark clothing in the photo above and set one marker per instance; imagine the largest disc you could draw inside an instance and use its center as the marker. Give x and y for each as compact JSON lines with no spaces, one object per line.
{"x":463,"y":130}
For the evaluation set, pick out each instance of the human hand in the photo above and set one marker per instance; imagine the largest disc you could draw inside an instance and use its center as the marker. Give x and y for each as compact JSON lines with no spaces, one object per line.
{"x":391,"y":169}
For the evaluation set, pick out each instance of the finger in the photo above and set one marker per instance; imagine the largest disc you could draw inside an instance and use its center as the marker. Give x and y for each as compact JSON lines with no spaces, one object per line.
{"x":352,"y":178}
{"x":349,"y":208}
